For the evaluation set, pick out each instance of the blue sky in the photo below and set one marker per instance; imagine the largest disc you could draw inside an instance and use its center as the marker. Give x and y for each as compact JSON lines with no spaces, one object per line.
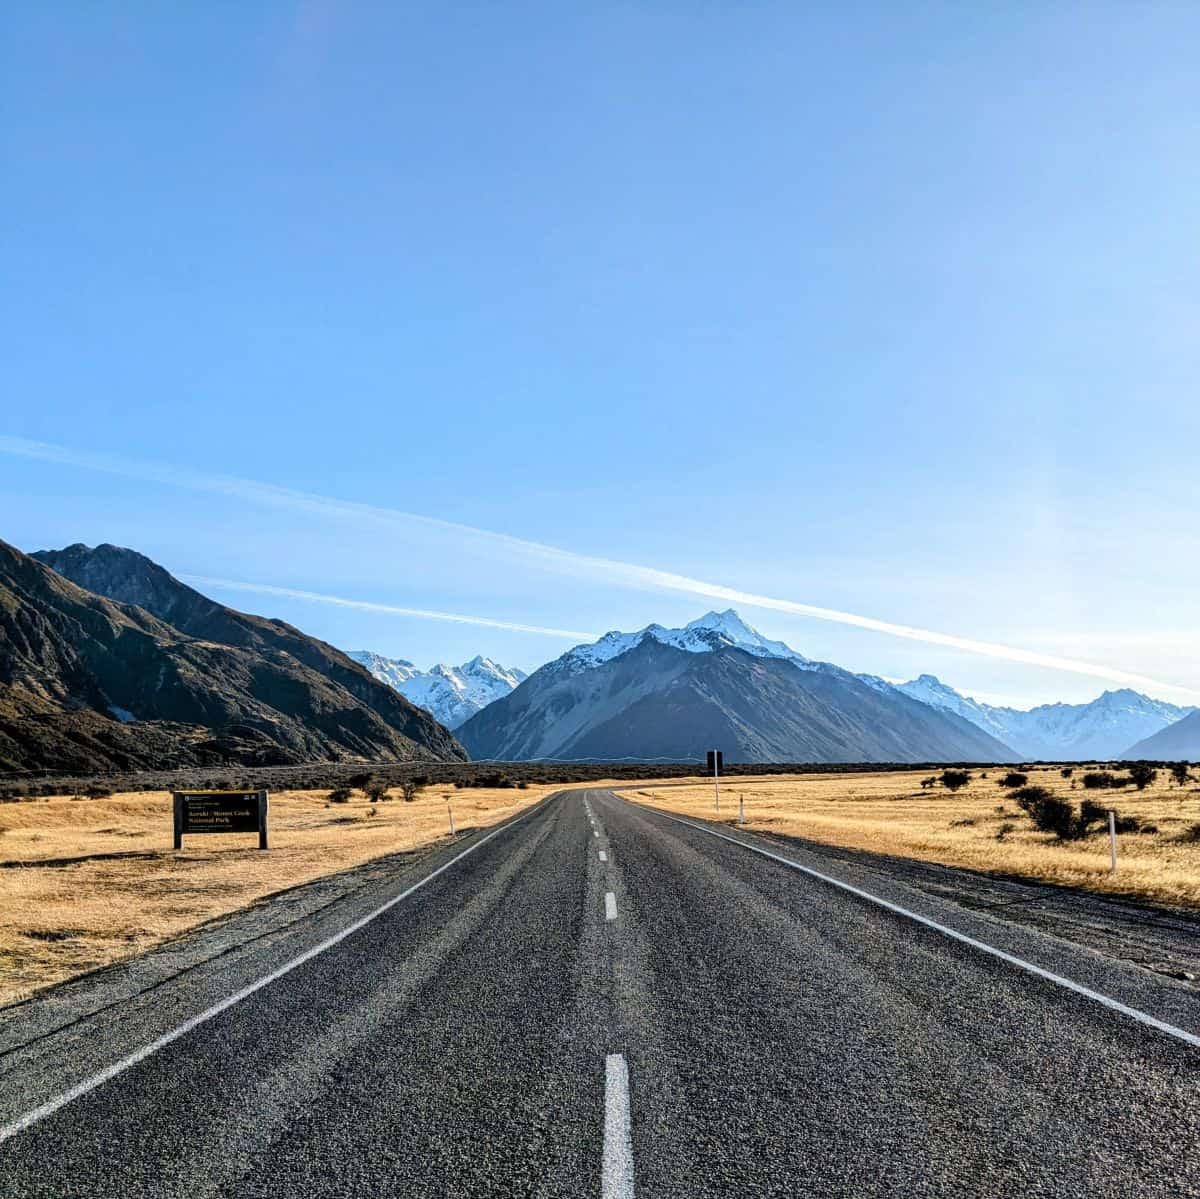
{"x":889,"y":309}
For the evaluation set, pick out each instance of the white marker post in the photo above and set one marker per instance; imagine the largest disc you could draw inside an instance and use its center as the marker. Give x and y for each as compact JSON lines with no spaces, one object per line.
{"x":741,"y":810}
{"x":717,"y":780}
{"x":1112,"y":839}
{"x":450,"y":813}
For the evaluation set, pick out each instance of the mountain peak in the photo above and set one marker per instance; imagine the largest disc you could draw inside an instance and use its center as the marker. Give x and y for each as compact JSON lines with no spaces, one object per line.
{"x":709,"y":633}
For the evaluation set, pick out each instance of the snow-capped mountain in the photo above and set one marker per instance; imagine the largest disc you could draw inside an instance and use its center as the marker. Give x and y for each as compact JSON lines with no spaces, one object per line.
{"x":452,"y":694}
{"x":1105,"y":728}
{"x":716,"y":630}
{"x":672,"y":693}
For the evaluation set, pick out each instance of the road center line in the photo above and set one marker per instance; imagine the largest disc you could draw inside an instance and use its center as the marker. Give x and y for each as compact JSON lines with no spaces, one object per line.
{"x":90,"y":1084}
{"x":610,"y":906}
{"x":603,"y":856}
{"x":1067,"y":984}
{"x":616,"y":1171}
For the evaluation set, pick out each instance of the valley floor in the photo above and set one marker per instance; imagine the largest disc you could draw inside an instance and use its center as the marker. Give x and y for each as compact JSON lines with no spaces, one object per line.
{"x":85,"y":883}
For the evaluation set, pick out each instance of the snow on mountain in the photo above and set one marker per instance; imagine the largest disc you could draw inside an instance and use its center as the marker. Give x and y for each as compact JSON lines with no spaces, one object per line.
{"x":716,"y":630}
{"x":929,"y":689}
{"x":393,"y":671}
{"x":1104,"y":728}
{"x":452,"y":694}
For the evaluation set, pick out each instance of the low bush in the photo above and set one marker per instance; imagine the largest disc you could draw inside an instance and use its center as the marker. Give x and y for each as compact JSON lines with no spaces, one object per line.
{"x":1142,"y":774}
{"x":340,"y":795}
{"x":1067,"y":771}
{"x":952,"y":780}
{"x":1190,"y":835}
{"x":1004,"y":830}
{"x":1049,"y":813}
{"x":1100,"y":780}
{"x":1014,"y":778}
{"x":1179,"y":772}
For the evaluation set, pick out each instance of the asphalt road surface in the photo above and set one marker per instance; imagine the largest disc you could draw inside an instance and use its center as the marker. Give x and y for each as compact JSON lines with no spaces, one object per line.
{"x":600,"y":1000}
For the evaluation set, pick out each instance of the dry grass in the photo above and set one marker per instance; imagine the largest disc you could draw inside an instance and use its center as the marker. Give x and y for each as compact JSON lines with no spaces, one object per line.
{"x":116,"y":887}
{"x":892,"y":814}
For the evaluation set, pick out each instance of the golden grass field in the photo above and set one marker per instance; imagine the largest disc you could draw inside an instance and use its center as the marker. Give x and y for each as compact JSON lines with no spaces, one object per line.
{"x":889,"y":813}
{"x":122,"y":889}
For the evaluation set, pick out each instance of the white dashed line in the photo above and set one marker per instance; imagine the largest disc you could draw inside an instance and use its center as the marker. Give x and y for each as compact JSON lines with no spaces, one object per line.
{"x":603,"y":856}
{"x":616,"y":1171}
{"x":610,"y":906}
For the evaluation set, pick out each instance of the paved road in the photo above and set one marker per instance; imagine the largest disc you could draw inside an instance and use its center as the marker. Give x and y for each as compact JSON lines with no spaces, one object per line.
{"x":682,"y":1018}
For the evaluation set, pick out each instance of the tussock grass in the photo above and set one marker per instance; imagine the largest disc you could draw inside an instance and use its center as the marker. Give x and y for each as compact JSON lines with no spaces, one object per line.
{"x":979,"y":826}
{"x":84,"y":883}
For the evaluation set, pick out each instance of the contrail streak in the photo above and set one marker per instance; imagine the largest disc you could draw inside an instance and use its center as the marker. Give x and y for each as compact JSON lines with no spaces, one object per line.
{"x":625,"y":574}
{"x":318,"y":597}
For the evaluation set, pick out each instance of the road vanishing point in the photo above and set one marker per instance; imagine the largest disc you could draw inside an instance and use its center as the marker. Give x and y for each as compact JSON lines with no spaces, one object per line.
{"x":598,"y":999}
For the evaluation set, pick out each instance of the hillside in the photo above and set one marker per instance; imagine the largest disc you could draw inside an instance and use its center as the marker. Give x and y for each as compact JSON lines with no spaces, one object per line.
{"x":91,"y":683}
{"x":1179,"y":742}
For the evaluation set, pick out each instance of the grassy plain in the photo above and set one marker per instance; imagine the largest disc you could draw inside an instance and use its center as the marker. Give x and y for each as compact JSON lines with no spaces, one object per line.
{"x":87,"y":882}
{"x":892,"y":814}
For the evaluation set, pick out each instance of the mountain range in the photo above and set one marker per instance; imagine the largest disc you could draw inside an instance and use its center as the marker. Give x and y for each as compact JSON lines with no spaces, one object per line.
{"x":107,"y":661}
{"x":628,"y":688}
{"x":674,"y":693}
{"x":453,"y":694}
{"x":1114,"y":725}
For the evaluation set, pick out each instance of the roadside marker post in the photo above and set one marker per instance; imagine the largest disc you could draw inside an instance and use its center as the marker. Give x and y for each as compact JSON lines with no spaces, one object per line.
{"x":450,"y":813}
{"x":1112,"y":840}
{"x":741,"y":809}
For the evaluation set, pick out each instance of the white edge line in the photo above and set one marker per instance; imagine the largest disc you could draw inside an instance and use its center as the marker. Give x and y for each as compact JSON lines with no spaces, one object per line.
{"x":90,"y":1084}
{"x":1078,"y":988}
{"x":610,"y":906}
{"x":616,"y":1171}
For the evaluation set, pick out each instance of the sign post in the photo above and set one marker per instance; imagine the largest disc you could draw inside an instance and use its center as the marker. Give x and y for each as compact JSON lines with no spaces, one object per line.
{"x":220,"y":812}
{"x":716,"y":759}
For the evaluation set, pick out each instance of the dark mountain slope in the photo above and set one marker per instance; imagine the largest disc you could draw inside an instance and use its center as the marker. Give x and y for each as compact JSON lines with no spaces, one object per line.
{"x":87,"y":683}
{"x":1178,"y":742}
{"x":132,"y":578}
{"x":659,"y":701}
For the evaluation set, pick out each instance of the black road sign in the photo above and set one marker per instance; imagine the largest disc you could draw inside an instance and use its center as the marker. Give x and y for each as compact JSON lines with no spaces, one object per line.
{"x":716,"y":762}
{"x":221,"y":812}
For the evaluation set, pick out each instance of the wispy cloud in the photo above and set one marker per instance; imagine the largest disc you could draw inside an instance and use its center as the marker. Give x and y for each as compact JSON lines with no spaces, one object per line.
{"x":339,"y":601}
{"x":619,"y":573}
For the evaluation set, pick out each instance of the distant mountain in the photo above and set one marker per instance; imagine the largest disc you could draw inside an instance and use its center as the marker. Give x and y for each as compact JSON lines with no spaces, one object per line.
{"x":1178,"y":742}
{"x":674,"y":693}
{"x":132,"y":668}
{"x":452,"y":693}
{"x":1104,"y":728}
